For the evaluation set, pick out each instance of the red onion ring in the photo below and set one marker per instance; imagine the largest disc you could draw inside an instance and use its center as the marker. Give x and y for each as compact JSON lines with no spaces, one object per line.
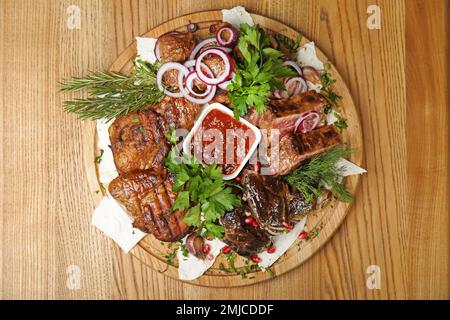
{"x":225,"y":84}
{"x":223,"y":76}
{"x":200,"y":45}
{"x":227,"y":50}
{"x":301,"y":86}
{"x":315,"y":118}
{"x":189,"y":85}
{"x":294,"y":65}
{"x":182,"y":70}
{"x":211,"y":90}
{"x":232,"y":38}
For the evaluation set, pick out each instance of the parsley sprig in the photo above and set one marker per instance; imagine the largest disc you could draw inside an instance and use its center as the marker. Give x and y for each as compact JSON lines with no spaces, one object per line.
{"x":257,"y":74}
{"x":203,"y":191}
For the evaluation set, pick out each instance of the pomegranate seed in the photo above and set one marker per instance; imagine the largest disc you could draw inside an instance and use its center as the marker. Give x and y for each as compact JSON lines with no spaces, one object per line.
{"x":271,"y":249}
{"x":206,"y":248}
{"x":255,"y":224}
{"x":210,"y":257}
{"x":287,"y":226}
{"x":256,"y":259}
{"x":249,"y":220}
{"x":303,"y":235}
{"x":238,"y":179}
{"x":226,"y":249}
{"x":257,"y":166}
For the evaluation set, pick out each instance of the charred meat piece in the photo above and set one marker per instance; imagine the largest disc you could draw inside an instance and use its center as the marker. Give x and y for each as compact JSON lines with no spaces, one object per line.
{"x":273,"y":203}
{"x":138,"y":142}
{"x":176,"y":113}
{"x":214,"y":28}
{"x":221,"y":96}
{"x":148,"y":198}
{"x":175,"y":46}
{"x":245,"y":239}
{"x":215,"y":64}
{"x":283,"y":114}
{"x":296,"y":148}
{"x":267,"y":201}
{"x":130,"y":188}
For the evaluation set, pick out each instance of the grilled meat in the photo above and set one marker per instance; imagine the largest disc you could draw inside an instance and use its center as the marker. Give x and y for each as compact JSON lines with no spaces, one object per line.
{"x":138,"y":142}
{"x":283,"y":114}
{"x":245,"y":239}
{"x":215,"y":64}
{"x":175,"y":46}
{"x":214,"y":28}
{"x":148,"y":198}
{"x":266,"y":199}
{"x":221,"y":96}
{"x":296,"y":148}
{"x":274,"y":204}
{"x":176,"y":113}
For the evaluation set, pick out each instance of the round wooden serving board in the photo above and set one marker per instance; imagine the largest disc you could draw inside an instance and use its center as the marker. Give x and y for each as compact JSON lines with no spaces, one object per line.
{"x":321,"y":224}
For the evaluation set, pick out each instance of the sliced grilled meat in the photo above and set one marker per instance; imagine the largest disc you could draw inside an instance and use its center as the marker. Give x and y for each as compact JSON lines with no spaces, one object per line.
{"x":283,"y":114}
{"x":245,"y":239}
{"x":273,"y":203}
{"x":138,"y":142}
{"x":296,"y":148}
{"x":176,"y":46}
{"x":148,"y":198}
{"x":176,"y":113}
{"x":221,"y":96}
{"x":266,"y":199}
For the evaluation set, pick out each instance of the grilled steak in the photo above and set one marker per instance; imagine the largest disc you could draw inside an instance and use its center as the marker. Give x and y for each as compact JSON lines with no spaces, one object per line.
{"x":296,"y":148}
{"x":138,"y":142}
{"x":175,"y":46}
{"x":283,"y":114}
{"x":266,"y":198}
{"x":176,"y":113}
{"x":148,"y":198}
{"x":273,"y":203}
{"x":245,"y":239}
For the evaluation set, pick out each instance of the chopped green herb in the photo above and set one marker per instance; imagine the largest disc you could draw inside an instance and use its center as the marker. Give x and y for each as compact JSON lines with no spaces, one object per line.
{"x":141,"y":130}
{"x":341,"y":122}
{"x":98,"y":158}
{"x":183,"y":249}
{"x":172,"y":136}
{"x":135,"y":120}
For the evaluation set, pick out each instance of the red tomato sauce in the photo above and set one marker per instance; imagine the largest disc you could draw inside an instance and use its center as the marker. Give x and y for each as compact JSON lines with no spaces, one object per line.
{"x":223,"y":140}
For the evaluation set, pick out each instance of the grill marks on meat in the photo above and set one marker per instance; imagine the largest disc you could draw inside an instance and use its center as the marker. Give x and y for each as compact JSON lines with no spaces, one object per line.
{"x":177,"y":113}
{"x":283,"y":114}
{"x":273,"y":203}
{"x":295,"y":149}
{"x":138,"y":142}
{"x":148,"y":198}
{"x":242,"y":237}
{"x":176,"y":46}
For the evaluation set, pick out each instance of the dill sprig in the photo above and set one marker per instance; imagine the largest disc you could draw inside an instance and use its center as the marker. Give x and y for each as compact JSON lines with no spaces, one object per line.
{"x":319,"y":173}
{"x":113,"y":94}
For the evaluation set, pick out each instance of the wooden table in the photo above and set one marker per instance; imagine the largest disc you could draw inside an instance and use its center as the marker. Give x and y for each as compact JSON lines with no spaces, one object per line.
{"x":398,"y":76}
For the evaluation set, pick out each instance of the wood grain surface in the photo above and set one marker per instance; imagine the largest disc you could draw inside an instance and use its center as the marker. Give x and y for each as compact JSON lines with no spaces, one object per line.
{"x":398,"y":77}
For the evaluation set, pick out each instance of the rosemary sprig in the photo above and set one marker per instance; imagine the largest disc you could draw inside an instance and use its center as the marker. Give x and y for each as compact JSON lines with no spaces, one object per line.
{"x":320,"y":173}
{"x":113,"y":94}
